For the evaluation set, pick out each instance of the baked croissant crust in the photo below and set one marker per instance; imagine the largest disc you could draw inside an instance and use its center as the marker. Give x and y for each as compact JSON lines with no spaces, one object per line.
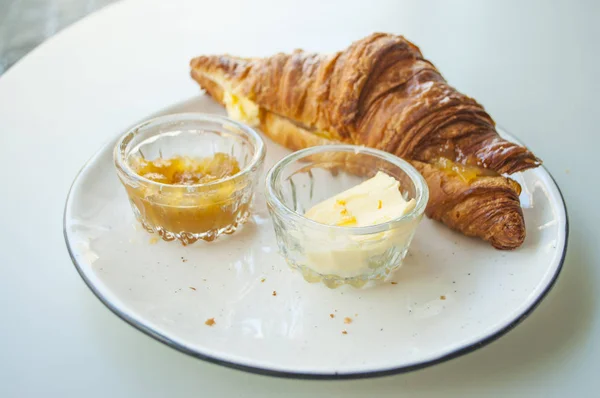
{"x":380,"y":92}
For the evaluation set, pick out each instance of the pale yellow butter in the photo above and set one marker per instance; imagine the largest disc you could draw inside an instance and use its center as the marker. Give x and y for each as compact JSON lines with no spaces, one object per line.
{"x":241,"y":109}
{"x":375,"y":201}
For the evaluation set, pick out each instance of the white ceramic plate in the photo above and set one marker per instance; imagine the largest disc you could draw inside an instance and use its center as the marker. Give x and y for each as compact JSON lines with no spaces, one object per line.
{"x":453,"y":294}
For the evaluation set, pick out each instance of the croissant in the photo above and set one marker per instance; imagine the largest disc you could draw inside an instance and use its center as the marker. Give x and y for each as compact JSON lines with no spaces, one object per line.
{"x":380,"y":92}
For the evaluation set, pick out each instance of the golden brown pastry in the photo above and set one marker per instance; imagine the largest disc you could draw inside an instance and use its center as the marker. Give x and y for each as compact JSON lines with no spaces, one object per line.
{"x":487,"y":206}
{"x":382,"y":93}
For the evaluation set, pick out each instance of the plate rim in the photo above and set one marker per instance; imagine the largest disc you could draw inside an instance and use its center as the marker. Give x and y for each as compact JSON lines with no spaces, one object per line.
{"x":265,"y":371}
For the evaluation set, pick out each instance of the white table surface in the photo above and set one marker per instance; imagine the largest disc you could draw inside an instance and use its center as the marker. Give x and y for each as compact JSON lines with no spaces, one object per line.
{"x":532,"y":64}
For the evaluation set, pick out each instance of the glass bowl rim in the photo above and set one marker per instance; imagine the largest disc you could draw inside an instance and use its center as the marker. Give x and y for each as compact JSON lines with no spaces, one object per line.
{"x":422,"y":190}
{"x":122,"y":166}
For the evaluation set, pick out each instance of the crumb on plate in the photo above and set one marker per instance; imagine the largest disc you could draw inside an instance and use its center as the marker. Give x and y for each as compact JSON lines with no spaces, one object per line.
{"x":347,"y":320}
{"x":274,"y":293}
{"x":442,"y":297}
{"x":192,"y":287}
{"x":210,"y":322}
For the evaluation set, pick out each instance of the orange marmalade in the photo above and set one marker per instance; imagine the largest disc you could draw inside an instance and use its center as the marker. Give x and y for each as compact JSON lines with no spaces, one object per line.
{"x":183,"y":170}
{"x":466,"y":173}
{"x":183,"y":208}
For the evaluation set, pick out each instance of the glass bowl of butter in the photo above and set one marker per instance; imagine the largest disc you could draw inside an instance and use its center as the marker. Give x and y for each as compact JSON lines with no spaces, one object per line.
{"x":190,"y":176}
{"x":345,"y":214}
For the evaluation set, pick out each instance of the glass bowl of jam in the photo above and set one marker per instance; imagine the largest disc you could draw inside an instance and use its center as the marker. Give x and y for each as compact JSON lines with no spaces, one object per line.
{"x":190,"y":176}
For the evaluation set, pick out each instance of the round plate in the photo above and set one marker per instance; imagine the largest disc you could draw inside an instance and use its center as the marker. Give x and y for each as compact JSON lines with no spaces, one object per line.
{"x":453,"y":294}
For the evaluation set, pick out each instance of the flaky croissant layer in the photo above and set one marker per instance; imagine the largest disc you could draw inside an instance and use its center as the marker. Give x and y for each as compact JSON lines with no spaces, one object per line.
{"x":381,"y":92}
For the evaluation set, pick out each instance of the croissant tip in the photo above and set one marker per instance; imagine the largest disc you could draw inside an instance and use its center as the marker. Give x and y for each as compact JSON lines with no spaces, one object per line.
{"x":196,"y":61}
{"x":511,"y":234}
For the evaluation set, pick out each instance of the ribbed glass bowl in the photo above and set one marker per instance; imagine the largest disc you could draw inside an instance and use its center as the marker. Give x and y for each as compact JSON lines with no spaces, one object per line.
{"x":338,"y":255}
{"x":197,"y":211}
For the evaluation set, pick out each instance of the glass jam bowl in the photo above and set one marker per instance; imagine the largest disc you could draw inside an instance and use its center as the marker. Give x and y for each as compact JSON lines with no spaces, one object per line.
{"x":188,"y":209}
{"x":338,"y":255}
